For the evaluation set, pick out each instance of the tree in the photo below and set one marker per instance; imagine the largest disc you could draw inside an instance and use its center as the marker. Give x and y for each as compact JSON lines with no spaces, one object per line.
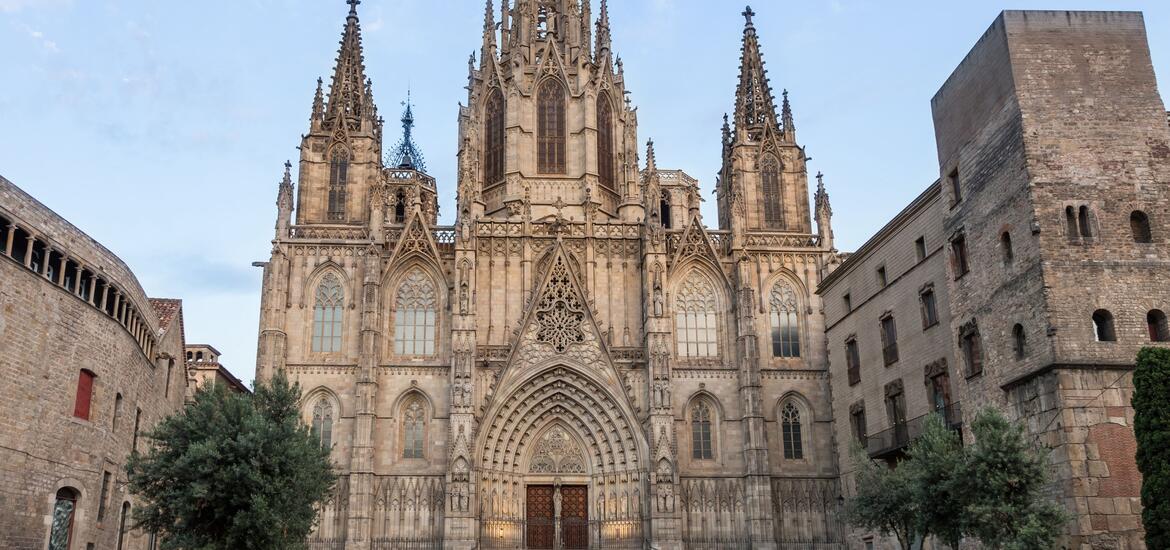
{"x":232,"y":471}
{"x":885,"y":500}
{"x":1151,"y":404}
{"x":937,"y":468}
{"x":1003,"y":485}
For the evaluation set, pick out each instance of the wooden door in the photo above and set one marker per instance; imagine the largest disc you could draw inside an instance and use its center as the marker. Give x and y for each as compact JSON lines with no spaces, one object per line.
{"x":539,"y":517}
{"x":574,"y":516}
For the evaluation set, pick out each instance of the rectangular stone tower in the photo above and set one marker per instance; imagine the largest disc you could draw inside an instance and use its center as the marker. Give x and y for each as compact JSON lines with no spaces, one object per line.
{"x":1054,"y":153}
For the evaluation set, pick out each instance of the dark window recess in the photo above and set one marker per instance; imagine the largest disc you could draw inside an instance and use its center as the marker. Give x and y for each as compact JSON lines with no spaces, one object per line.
{"x":773,"y":203}
{"x":956,"y":189}
{"x":920,"y":248}
{"x":664,"y":208}
{"x":1019,"y":341}
{"x":881,"y":276}
{"x":1005,"y":247}
{"x":1083,"y":221}
{"x":493,"y":137}
{"x":1103,"y":329}
{"x":605,"y":175}
{"x":1156,"y":323}
{"x":973,"y":352}
{"x":852,"y":362}
{"x":1139,"y":225}
{"x":959,"y":256}
{"x":848,"y":300}
{"x":889,"y":340}
{"x":550,"y":128}
{"x":929,"y":308}
{"x":857,"y":422}
{"x":1070,"y":223}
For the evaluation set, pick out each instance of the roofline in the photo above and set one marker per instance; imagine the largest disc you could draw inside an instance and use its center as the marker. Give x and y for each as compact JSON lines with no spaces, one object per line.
{"x":919,"y":203}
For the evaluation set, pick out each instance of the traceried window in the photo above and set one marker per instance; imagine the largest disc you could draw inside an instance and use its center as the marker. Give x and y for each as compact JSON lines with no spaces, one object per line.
{"x":338,"y":179}
{"x":701,"y":441}
{"x":323,"y":422}
{"x":695,"y":318}
{"x":550,"y":128}
{"x":61,"y":529}
{"x":328,"y":301}
{"x":784,"y":320}
{"x":415,"y":309}
{"x":605,"y":175}
{"x":790,"y":426}
{"x":770,"y":182}
{"x":414,"y":427}
{"x":493,"y":138}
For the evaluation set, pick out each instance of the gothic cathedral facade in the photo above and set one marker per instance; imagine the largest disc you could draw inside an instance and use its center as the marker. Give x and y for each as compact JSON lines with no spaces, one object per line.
{"x":578,"y":361}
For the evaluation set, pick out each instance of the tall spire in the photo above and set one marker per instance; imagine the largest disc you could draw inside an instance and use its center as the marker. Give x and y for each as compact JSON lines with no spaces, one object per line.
{"x":651,"y":163}
{"x":284,"y":202}
{"x":489,"y":31}
{"x":318,"y":104}
{"x":824,"y":213}
{"x":347,"y":93}
{"x":604,"y":41}
{"x":406,"y":152}
{"x":754,"y":106}
{"x":786,"y":117}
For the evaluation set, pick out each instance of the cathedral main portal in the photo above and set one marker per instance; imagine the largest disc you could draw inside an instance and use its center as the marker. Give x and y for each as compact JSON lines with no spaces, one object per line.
{"x":557,"y":516}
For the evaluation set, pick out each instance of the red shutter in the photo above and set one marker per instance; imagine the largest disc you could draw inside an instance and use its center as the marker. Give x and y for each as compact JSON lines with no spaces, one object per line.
{"x":84,"y":395}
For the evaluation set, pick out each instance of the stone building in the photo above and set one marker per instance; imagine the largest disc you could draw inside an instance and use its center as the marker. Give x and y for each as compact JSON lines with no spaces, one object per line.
{"x":1046,"y":255}
{"x":88,"y":363}
{"x":203,"y":367}
{"x":579,"y":359}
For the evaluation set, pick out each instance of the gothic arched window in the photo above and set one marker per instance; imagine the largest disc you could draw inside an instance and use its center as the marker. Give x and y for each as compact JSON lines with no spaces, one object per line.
{"x":493,"y":138}
{"x":701,"y":440}
{"x":414,"y":423}
{"x":328,"y":301}
{"x":415,"y":310}
{"x":696,"y":329}
{"x":550,"y":127}
{"x":770,"y":183}
{"x":605,"y":175}
{"x":664,"y":207}
{"x":400,"y":207}
{"x":338,"y":178}
{"x":790,"y":424}
{"x":61,"y":529}
{"x":785,"y":323}
{"x":1139,"y":224}
{"x":323,"y":422}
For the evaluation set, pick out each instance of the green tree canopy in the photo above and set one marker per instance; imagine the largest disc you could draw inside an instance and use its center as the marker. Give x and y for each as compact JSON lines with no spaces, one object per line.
{"x":884,"y":501}
{"x":232,"y":471}
{"x":1151,"y":404}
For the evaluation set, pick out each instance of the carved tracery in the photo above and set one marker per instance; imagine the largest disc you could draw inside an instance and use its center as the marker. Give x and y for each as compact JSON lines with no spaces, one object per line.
{"x":557,"y":453}
{"x":560,"y":312}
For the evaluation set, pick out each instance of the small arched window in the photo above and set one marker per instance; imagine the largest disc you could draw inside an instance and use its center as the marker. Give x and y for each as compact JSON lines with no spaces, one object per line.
{"x":1139,"y":224}
{"x":338,"y":179}
{"x":1070,"y":223}
{"x":61,"y":529}
{"x":695,"y":318}
{"x":1083,"y":220}
{"x":770,"y":183}
{"x":493,"y":138}
{"x":664,"y":207}
{"x":790,"y":426}
{"x":1103,"y":329}
{"x":701,"y":439}
{"x":1005,"y":247}
{"x":550,"y":127}
{"x":415,"y":311}
{"x":605,"y":172}
{"x":1019,"y":341}
{"x":785,"y":321}
{"x":400,"y":207}
{"x":414,"y":428}
{"x":1157,"y":326}
{"x":323,"y":422}
{"x":327,"y":307}
{"x":117,"y":413}
{"x":122,"y":524}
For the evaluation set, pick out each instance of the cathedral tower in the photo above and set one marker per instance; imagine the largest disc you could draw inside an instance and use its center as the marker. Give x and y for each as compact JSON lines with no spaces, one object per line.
{"x":763,"y":184}
{"x":547,"y":120}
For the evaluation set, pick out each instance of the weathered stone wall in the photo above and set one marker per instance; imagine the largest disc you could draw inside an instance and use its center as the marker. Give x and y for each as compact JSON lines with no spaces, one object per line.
{"x":49,"y":334}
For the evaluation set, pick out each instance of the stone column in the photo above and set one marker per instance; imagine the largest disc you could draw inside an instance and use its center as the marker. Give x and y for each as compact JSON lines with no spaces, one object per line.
{"x":361,"y":465}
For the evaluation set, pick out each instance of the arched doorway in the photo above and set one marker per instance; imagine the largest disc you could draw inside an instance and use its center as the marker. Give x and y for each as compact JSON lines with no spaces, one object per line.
{"x":560,"y":465}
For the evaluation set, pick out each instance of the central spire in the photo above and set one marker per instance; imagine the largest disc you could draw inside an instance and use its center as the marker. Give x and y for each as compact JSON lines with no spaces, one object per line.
{"x":754,"y":104}
{"x":407,"y":154}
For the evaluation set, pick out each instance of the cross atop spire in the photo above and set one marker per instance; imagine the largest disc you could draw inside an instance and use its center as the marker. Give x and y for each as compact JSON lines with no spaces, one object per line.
{"x":353,"y":4}
{"x":747,"y":15}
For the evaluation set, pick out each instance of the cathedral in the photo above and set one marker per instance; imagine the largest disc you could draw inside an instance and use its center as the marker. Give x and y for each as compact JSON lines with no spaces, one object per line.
{"x":579,"y":361}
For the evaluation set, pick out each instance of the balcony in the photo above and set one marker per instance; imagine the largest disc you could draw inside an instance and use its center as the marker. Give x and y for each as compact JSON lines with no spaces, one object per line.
{"x":892,"y":441}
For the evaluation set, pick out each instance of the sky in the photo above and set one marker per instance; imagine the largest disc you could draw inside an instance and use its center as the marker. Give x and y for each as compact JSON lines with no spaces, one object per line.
{"x":160,"y":128}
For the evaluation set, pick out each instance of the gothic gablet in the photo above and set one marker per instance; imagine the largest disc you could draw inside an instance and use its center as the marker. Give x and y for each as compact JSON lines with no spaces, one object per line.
{"x":578,"y":360}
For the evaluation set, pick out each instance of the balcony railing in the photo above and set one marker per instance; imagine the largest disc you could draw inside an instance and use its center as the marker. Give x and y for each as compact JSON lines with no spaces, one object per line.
{"x":895,"y":439}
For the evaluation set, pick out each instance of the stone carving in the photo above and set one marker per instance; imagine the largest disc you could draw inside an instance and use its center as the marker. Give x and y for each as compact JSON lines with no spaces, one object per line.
{"x":557,"y":453}
{"x":560,"y":311}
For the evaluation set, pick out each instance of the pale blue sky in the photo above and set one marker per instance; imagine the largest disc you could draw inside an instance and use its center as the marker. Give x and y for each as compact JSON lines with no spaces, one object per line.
{"x":160,"y":127}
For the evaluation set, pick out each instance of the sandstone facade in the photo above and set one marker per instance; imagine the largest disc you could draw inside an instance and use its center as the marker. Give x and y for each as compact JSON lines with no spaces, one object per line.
{"x":68,"y":307}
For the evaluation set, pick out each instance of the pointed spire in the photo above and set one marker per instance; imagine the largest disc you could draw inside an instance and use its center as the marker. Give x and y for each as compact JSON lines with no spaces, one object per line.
{"x":604,"y":40}
{"x":284,"y":202}
{"x":754,"y":105}
{"x":786,"y":117}
{"x":348,"y":93}
{"x":824,"y":213}
{"x":489,"y":30}
{"x":651,"y":163}
{"x":318,"y":103}
{"x":406,"y":153}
